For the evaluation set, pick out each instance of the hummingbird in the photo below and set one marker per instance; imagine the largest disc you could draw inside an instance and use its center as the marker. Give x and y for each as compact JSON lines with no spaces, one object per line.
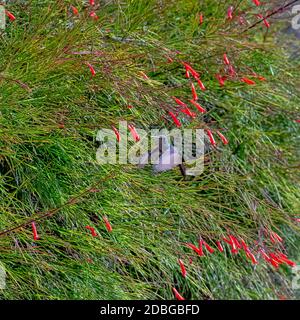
{"x":166,"y":157}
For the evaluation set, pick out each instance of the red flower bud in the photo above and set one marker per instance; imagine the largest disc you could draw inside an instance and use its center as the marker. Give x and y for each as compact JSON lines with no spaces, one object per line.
{"x":201,"y":85}
{"x":223,"y":138}
{"x":182,"y":268}
{"x":35,"y":234}
{"x":107,"y":224}
{"x":10,"y":16}
{"x":248,"y":81}
{"x":177,"y":295}
{"x":195,"y":97}
{"x":176,"y":121}
{"x":201,"y":18}
{"x":74,"y":10}
{"x":93,"y":72}
{"x":197,"y":105}
{"x":93,"y":232}
{"x":117,"y":133}
{"x":230,"y":13}
{"x":220,"y":247}
{"x":226,"y":60}
{"x":211,"y":137}
{"x":133,"y":132}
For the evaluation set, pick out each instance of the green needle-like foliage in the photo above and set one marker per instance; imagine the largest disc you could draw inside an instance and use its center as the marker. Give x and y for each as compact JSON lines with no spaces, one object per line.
{"x":51,"y":108}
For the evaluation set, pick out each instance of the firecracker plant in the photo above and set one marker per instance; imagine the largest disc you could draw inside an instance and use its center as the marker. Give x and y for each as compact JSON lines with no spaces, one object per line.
{"x":71,"y":228}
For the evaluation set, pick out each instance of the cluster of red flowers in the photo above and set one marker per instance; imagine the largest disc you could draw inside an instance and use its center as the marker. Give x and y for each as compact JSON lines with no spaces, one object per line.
{"x":74,"y":10}
{"x":183,"y":107}
{"x":91,"y":229}
{"x":192,"y":74}
{"x":230,"y":14}
{"x":132,"y":130}
{"x":236,"y":245}
{"x":92,"y":13}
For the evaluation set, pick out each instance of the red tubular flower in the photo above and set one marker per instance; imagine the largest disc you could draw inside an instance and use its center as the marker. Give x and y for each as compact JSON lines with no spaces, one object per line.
{"x":260,"y":78}
{"x":286,"y":260}
{"x":274,"y":263}
{"x":211,"y":137}
{"x":197,"y":250}
{"x":290,"y":263}
{"x":220,"y":247}
{"x":235,"y":241}
{"x":265,"y":256}
{"x":93,"y":232}
{"x":195,"y":97}
{"x":92,"y":2}
{"x":277,"y":237}
{"x":280,"y":254}
{"x":248,"y":81}
{"x":188,"y":68}
{"x":244,"y":245}
{"x":133,"y":132}
{"x":201,"y":85}
{"x":187,"y":74}
{"x":197,"y":105}
{"x":277,"y":259}
{"x":232,"y":243}
{"x":176,"y":121}
{"x":182,"y":268}
{"x":187,"y":111}
{"x":34,"y":231}
{"x":208,"y":247}
{"x":10,"y":16}
{"x":179,"y":102}
{"x":227,"y":241}
{"x":201,"y":18}
{"x":93,"y":72}
{"x":93,"y":15}
{"x":256,"y":2}
{"x":234,"y":248}
{"x":129,"y":106}
{"x":221,"y":80}
{"x":267,"y":24}
{"x":230,"y":13}
{"x":201,"y":247}
{"x":107,"y":224}
{"x":223,"y":138}
{"x":225,"y":59}
{"x":231,"y":71}
{"x":74,"y":10}
{"x":177,"y":295}
{"x":251,"y":257}
{"x":117,"y":133}
{"x":272,"y":238}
